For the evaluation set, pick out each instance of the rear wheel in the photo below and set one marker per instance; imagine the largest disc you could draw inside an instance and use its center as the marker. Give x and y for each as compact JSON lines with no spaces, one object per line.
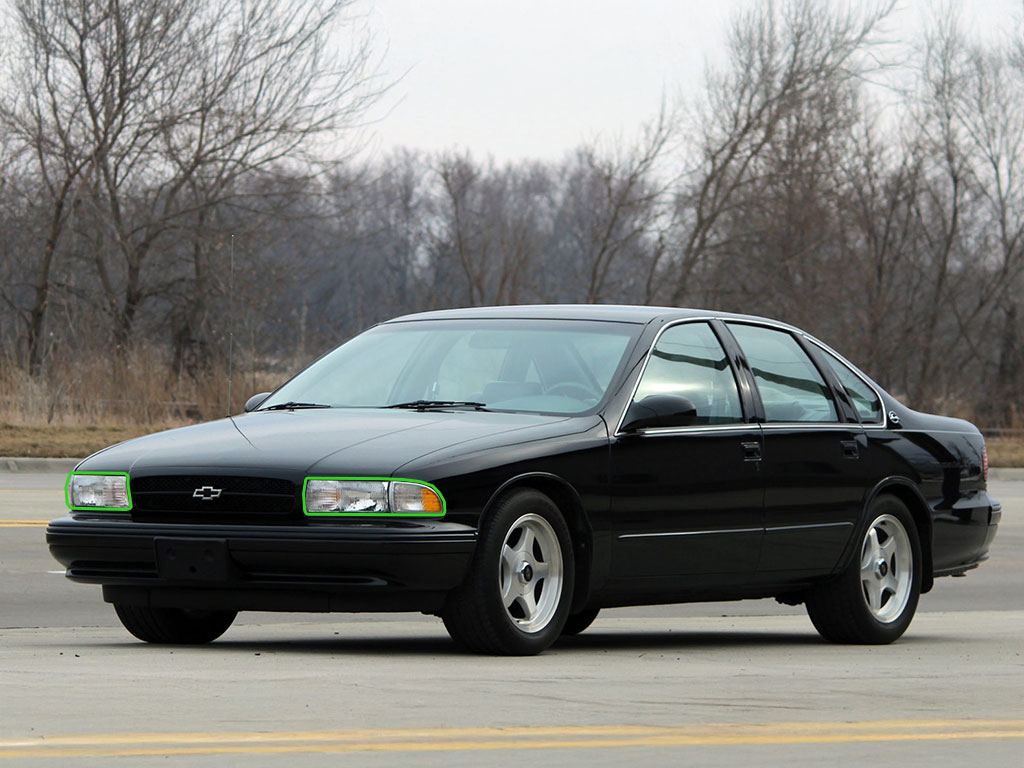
{"x":176,"y":626}
{"x":873,"y":601}
{"x":516,"y":597}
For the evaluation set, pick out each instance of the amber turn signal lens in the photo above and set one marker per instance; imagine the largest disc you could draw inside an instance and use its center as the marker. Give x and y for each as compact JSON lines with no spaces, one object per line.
{"x":431,"y":503}
{"x":414,"y":498}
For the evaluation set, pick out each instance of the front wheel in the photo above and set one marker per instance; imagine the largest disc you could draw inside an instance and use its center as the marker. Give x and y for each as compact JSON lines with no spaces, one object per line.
{"x":174,"y":626}
{"x":874,"y":599}
{"x":516,"y":597}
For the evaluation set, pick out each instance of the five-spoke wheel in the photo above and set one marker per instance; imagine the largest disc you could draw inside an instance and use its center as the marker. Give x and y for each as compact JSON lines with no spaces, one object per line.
{"x":516,"y":597}
{"x":530,"y":572}
{"x":874,"y":599}
{"x":886,"y":568}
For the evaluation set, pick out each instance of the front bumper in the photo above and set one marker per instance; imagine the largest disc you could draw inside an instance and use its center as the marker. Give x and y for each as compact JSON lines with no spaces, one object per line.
{"x":355,"y":566}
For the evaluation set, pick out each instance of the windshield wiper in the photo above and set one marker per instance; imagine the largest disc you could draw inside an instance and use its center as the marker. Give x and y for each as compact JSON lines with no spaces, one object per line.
{"x":422,"y":405}
{"x":292,"y":405}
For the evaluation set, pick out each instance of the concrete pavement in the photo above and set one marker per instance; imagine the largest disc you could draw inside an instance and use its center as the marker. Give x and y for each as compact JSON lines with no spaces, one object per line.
{"x":705,"y":684}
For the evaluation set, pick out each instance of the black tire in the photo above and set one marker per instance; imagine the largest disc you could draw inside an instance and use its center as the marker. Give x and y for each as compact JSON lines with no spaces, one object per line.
{"x":174,"y":626}
{"x":476,"y":615}
{"x":880,"y":570}
{"x":577,"y":622}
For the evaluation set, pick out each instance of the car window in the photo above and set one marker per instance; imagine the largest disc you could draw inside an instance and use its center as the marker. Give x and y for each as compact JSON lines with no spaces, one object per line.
{"x":358,"y":380}
{"x":791,"y":387}
{"x":546,"y":366}
{"x":688,"y":361}
{"x":864,"y":399}
{"x":465,"y":370}
{"x":598,"y":358}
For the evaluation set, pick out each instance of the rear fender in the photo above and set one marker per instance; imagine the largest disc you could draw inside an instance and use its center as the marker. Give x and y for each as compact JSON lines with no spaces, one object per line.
{"x":904,"y":490}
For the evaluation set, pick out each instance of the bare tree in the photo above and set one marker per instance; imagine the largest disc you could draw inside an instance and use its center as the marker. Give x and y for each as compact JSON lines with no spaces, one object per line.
{"x":140,"y":140}
{"x":788,"y":60}
{"x":489,"y":229}
{"x":967,"y":252}
{"x":612,"y":216}
{"x":990,"y":110}
{"x":152,"y":111}
{"x":38,"y":115}
{"x":878,"y":231}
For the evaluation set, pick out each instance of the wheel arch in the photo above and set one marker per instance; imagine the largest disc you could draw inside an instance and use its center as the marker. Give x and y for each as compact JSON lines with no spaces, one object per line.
{"x":904,"y":490}
{"x":568,"y":501}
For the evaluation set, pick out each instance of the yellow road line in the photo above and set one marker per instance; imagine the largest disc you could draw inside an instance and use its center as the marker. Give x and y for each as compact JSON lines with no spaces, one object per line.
{"x":24,"y":523}
{"x":512,"y":738}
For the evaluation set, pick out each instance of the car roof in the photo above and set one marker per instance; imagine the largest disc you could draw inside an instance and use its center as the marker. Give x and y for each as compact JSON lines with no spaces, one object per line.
{"x":607,"y":312}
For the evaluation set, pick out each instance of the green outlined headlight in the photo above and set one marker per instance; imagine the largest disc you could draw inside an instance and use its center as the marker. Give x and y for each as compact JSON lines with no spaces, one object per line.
{"x":105,"y":492}
{"x":325,"y":497}
{"x":370,"y":497}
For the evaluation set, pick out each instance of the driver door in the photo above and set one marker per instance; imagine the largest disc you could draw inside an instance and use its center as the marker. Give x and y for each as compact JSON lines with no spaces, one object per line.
{"x":687,"y":501}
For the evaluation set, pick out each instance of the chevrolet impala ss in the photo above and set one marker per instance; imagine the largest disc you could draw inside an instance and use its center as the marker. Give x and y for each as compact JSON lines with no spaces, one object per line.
{"x":514,"y":470}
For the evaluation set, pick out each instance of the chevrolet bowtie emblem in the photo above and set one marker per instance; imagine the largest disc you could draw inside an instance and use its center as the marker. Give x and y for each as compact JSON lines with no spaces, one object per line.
{"x":206,"y":493}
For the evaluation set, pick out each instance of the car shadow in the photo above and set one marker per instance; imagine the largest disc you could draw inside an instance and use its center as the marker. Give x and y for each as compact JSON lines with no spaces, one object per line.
{"x":602,"y":641}
{"x":593,"y":641}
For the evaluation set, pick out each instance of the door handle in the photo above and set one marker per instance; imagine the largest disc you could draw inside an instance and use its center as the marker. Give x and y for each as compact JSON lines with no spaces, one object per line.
{"x":752,"y":451}
{"x":850,"y":449}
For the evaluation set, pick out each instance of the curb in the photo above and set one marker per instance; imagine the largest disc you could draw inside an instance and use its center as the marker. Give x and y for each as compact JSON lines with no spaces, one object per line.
{"x":13,"y":464}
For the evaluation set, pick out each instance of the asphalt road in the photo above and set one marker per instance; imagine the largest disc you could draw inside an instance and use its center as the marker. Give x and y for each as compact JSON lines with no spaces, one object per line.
{"x":703,"y":684}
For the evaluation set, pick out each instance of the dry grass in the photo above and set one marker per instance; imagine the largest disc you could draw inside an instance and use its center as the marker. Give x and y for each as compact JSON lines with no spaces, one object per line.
{"x":75,"y":409}
{"x":66,"y":441}
{"x":1005,"y":452}
{"x":138,"y":388}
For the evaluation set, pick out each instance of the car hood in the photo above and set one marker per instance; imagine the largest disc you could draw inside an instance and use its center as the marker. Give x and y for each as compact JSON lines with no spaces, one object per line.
{"x":356,"y":442}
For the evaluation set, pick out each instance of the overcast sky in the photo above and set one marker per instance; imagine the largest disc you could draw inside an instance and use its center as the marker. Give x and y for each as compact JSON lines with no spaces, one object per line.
{"x":534,"y":78}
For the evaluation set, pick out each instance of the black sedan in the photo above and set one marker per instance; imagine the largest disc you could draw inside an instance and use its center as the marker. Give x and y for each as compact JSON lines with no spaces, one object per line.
{"x":513,"y":470}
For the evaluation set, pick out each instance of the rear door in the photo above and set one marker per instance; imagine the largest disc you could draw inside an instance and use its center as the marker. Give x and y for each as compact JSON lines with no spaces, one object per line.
{"x":815,"y":454}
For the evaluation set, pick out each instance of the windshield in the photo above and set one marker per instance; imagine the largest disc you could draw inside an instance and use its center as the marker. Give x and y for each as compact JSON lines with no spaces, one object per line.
{"x":546,"y":366}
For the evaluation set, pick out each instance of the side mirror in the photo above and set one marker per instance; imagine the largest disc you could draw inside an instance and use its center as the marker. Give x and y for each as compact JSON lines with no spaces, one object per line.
{"x":255,"y":401}
{"x":660,"y":411}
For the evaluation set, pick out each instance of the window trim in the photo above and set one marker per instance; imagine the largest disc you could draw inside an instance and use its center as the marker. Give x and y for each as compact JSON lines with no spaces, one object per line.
{"x":751,"y":419}
{"x":839,"y":421}
{"x":748,"y":418}
{"x":847,"y":410}
{"x":884,"y":423}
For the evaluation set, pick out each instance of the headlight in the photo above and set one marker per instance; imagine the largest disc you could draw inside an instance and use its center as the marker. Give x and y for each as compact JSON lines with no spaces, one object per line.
{"x":107,"y":492}
{"x":354,"y":496}
{"x":333,"y":497}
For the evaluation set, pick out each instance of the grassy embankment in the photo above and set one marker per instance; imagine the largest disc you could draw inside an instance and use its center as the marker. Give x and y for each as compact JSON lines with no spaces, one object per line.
{"x":1006,"y":452}
{"x":67,"y":441}
{"x":77,"y":409}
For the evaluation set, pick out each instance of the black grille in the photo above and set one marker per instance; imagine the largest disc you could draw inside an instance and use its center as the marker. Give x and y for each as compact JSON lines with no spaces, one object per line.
{"x":212,"y":496}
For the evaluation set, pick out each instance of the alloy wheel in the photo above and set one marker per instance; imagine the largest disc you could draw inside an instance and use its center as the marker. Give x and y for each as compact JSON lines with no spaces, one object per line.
{"x":886,"y":568}
{"x":530,"y":573}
